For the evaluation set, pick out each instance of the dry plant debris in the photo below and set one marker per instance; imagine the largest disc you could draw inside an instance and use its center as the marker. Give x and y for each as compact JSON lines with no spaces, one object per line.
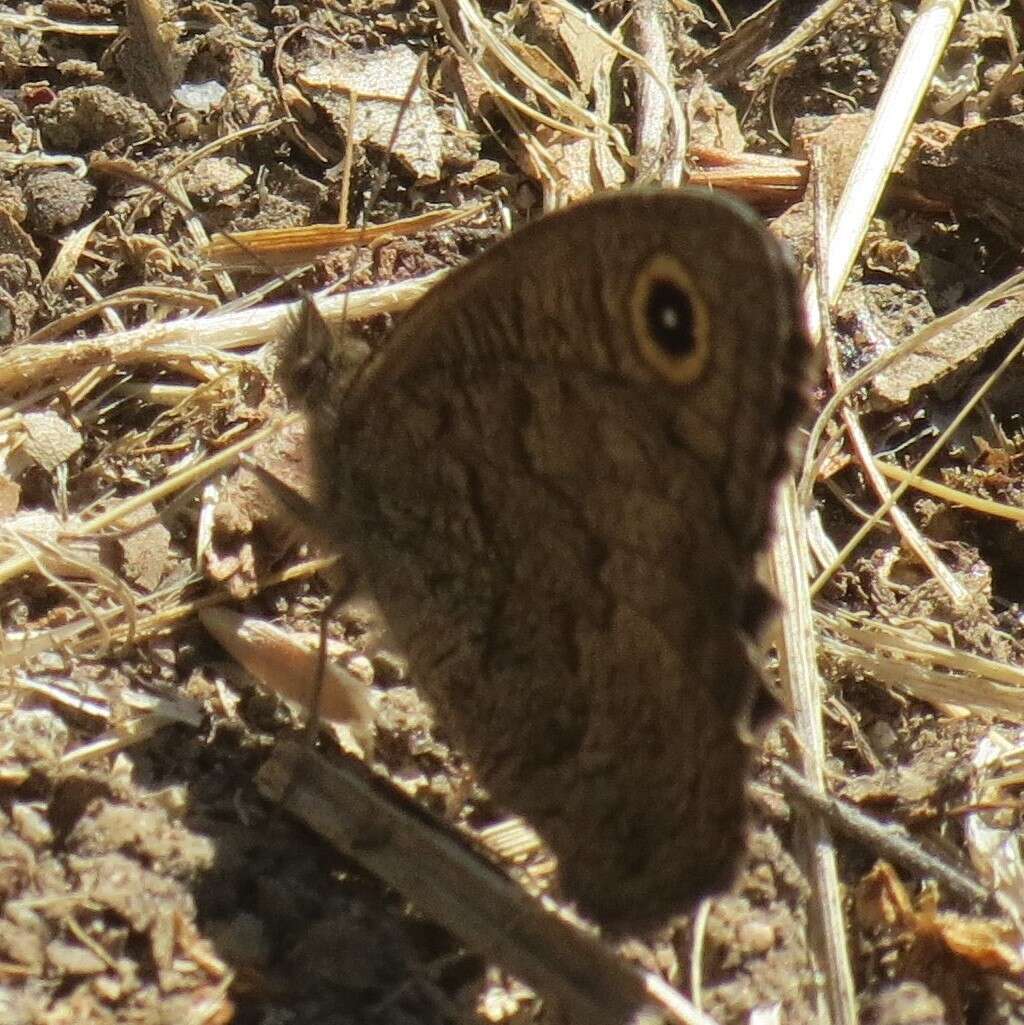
{"x":142,"y":877}
{"x":376,"y":99}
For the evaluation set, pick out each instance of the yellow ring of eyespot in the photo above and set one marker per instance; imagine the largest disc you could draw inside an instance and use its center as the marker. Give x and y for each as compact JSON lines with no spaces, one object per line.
{"x":683,"y":369}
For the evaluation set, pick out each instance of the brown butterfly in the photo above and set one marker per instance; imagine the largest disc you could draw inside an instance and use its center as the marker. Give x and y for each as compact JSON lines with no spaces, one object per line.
{"x":556,"y":476}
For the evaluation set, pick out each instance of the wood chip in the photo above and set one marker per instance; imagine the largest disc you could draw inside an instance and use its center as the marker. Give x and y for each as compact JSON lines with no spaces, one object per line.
{"x":143,"y":552}
{"x":379,"y":83}
{"x":950,"y":351}
{"x":49,"y":439}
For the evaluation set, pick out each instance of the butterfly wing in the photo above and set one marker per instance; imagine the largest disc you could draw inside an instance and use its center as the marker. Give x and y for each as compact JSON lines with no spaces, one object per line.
{"x":561,"y":528}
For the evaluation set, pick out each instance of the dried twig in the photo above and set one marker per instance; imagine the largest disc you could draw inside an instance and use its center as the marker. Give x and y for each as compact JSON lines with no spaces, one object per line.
{"x":437,"y":870}
{"x":887,"y":839}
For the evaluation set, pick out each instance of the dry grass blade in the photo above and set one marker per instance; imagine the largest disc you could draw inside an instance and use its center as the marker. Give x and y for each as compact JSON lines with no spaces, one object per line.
{"x":66,"y":260}
{"x":288,"y":667}
{"x":168,"y":298}
{"x":799,"y":670}
{"x":184,"y":342}
{"x":905,"y":88}
{"x":480,"y":33}
{"x":929,"y":671}
{"x":281,"y":249}
{"x":76,"y":636}
{"x":985,"y":506}
{"x":939,"y":445}
{"x":759,"y":179}
{"x":802,"y":34}
{"x":41,"y":23}
{"x":1013,"y":287}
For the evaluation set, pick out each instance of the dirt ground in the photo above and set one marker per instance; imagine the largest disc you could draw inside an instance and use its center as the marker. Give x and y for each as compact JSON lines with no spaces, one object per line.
{"x":143,"y":876}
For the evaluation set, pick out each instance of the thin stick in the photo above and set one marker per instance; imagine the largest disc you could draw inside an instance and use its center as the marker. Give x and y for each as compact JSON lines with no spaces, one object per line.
{"x":887,"y":839}
{"x":803,"y":33}
{"x":984,"y":506}
{"x":656,"y":157}
{"x":346,"y":167}
{"x":373,"y":822}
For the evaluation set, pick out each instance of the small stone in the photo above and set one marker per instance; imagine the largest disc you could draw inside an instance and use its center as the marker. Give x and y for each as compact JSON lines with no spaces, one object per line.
{"x":22,"y":945}
{"x":57,"y":199}
{"x":89,"y":117}
{"x":882,"y":736}
{"x":144,"y":550}
{"x":31,"y":824}
{"x":49,"y":439}
{"x":756,"y":937}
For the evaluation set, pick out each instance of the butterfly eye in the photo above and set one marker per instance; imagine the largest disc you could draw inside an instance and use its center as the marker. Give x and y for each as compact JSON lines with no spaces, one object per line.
{"x":670,"y":321}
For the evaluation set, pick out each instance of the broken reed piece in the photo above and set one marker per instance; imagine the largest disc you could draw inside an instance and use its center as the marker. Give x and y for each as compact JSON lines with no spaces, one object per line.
{"x":282,"y":249}
{"x":763,"y":181}
{"x":438,"y":871}
{"x":285,"y":665}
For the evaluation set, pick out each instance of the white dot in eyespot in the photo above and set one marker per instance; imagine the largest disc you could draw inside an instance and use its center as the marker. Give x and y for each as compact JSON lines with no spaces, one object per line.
{"x":670,"y":317}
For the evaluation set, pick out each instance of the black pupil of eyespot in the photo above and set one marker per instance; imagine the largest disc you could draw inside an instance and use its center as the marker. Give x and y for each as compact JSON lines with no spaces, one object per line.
{"x":670,"y":319}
